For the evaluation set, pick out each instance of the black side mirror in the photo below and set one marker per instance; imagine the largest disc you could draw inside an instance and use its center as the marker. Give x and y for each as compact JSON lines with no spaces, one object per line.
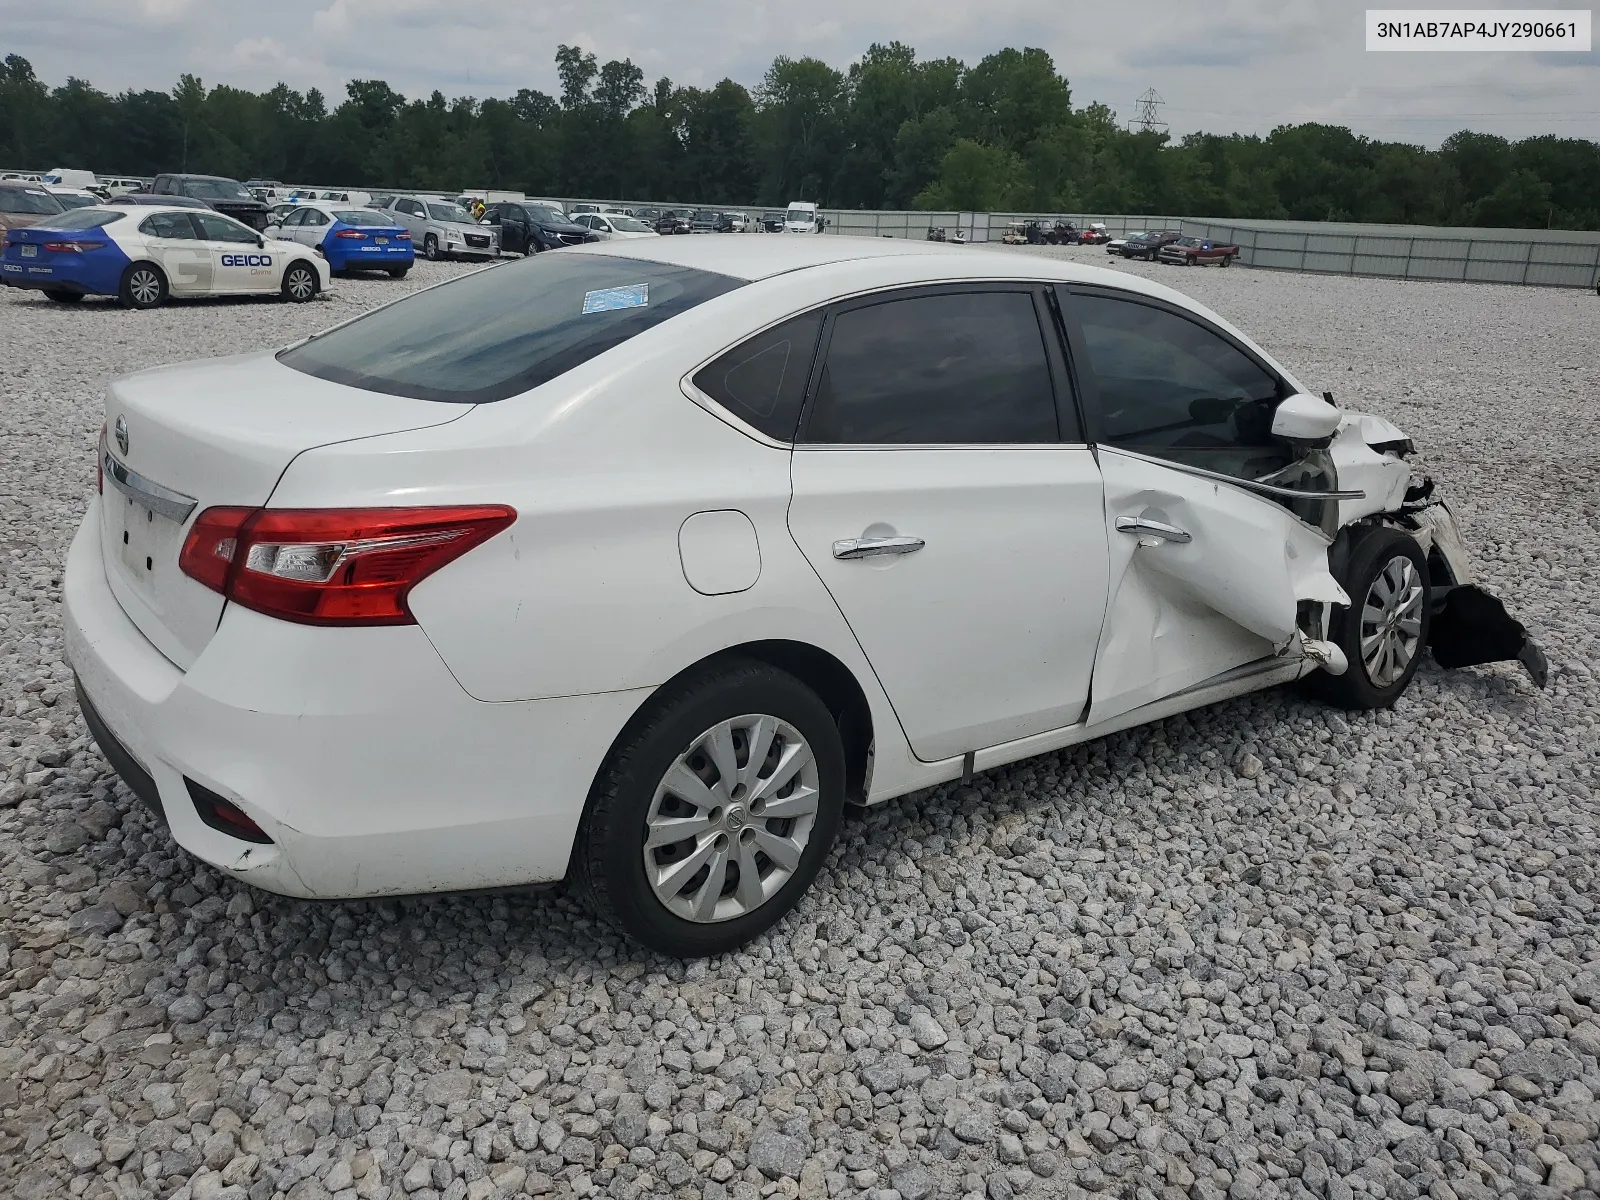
{"x":261,"y":242}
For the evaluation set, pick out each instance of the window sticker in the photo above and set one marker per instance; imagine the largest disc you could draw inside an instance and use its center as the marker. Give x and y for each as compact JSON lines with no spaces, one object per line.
{"x":635,"y":295}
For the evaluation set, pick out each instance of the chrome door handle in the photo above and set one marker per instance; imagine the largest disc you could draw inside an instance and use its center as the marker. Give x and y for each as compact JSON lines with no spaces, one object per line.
{"x":1143,"y":526}
{"x":848,"y":548}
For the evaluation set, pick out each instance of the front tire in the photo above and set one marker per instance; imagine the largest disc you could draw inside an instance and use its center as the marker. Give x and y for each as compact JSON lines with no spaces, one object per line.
{"x":430,"y":248}
{"x":714,"y":811}
{"x":143,"y":286}
{"x":62,"y":296}
{"x":300,"y":283}
{"x":1384,"y":630}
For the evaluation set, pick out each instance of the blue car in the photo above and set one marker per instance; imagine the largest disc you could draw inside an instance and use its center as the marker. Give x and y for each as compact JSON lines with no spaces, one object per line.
{"x":350,"y":238}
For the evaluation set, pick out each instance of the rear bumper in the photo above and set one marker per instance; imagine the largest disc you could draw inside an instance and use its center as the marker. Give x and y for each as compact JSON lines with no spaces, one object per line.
{"x":377,"y":258}
{"x":62,"y":273}
{"x":360,"y":756}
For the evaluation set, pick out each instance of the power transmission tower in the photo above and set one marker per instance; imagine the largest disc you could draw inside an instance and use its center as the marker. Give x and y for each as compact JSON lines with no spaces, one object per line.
{"x":1149,"y":118}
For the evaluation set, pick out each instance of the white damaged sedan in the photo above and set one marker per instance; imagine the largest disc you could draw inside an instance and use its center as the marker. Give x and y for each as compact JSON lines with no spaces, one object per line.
{"x":637,"y":563}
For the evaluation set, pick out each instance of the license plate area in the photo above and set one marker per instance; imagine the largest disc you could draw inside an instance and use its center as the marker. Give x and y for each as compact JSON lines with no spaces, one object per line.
{"x":146,"y":541}
{"x":381,"y":241}
{"x":30,"y":251}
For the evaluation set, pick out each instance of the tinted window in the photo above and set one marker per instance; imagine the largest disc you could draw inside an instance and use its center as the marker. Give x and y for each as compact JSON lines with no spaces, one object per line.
{"x":169,"y":225}
{"x":361,"y":216}
{"x":218,"y":228}
{"x":547,"y":216}
{"x":1170,"y":387}
{"x":496,"y":333}
{"x":26,"y":200}
{"x":214,"y":189}
{"x":763,"y":381}
{"x":942,"y":369}
{"x":84,"y":218}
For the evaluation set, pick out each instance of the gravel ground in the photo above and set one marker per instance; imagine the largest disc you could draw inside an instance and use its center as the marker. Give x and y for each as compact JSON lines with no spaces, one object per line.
{"x":1261,"y":950}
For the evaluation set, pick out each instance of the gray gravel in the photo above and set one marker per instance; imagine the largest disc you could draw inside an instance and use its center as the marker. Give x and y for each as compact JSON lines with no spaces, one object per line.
{"x":1262,"y":950}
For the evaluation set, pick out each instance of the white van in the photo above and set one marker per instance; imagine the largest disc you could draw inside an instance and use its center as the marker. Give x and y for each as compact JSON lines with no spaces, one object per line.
{"x":71,"y":178}
{"x":802,"y":218}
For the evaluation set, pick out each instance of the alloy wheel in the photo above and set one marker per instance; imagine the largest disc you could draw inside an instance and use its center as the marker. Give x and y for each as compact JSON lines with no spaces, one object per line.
{"x":1391,"y":621}
{"x":731,"y":818}
{"x":301,"y":285}
{"x":145,"y":287}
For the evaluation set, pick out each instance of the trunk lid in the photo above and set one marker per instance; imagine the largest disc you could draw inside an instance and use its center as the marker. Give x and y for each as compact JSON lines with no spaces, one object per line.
{"x":212,"y":433}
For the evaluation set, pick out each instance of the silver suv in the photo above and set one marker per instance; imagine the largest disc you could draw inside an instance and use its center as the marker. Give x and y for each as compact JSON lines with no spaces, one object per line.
{"x":442,"y":228}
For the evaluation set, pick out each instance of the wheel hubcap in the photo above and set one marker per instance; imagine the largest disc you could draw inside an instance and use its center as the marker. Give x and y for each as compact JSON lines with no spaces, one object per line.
{"x":731,"y":818}
{"x":1391,"y":621}
{"x":300,"y":284}
{"x":145,"y":287}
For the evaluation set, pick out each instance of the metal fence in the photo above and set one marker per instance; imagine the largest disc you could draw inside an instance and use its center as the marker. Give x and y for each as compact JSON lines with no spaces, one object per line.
{"x":1540,"y":258}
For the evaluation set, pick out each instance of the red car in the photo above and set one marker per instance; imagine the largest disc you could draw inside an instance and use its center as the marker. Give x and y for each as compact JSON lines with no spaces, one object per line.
{"x":1197,"y":252}
{"x":1094,"y":235}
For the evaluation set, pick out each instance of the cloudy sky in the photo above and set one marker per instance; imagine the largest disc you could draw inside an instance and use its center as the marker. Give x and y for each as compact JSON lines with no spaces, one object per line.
{"x":1238,"y":65}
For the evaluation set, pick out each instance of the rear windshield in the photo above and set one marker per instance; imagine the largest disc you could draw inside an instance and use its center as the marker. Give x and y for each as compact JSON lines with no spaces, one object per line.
{"x":27,"y":200}
{"x":361,"y":216}
{"x":85,"y":218}
{"x":502,"y":331}
{"x":214,"y":189}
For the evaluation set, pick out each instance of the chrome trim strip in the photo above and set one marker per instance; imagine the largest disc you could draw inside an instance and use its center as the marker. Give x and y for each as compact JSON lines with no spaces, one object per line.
{"x":1265,"y":489}
{"x":175,"y":506}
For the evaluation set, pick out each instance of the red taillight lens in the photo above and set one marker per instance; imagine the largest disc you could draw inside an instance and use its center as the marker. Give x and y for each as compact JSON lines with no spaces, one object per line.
{"x":402,"y":236}
{"x":350,"y":566}
{"x":73,"y":247}
{"x":354,"y":234}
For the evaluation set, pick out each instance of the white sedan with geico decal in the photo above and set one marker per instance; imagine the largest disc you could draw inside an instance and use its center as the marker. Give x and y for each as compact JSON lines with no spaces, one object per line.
{"x":143,"y":254}
{"x":640,"y":560}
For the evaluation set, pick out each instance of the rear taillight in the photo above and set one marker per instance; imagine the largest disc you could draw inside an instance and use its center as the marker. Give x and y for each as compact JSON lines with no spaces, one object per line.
{"x":336,"y":566}
{"x":73,"y":247}
{"x":354,"y":234}
{"x":403,"y":236}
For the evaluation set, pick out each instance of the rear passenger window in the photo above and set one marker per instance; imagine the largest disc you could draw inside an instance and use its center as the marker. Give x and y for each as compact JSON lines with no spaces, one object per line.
{"x":944,"y":369}
{"x":169,"y":225}
{"x":762,"y":381}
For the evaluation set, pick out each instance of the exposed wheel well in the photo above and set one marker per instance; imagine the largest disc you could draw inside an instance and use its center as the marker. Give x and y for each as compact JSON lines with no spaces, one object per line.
{"x":830,"y":679}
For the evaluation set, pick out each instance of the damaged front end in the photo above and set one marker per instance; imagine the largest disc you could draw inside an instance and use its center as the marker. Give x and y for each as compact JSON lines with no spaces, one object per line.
{"x":1467,"y":625}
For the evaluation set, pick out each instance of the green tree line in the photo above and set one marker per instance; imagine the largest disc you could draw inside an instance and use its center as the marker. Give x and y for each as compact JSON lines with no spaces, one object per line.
{"x":890,"y":131}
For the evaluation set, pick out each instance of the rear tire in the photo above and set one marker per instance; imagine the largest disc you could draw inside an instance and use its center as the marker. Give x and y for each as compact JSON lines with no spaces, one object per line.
{"x":398,"y":272}
{"x":1226,"y":259}
{"x":61,"y":296}
{"x":738,"y":891}
{"x":1384,"y":630}
{"x":143,"y":286}
{"x":300,"y":283}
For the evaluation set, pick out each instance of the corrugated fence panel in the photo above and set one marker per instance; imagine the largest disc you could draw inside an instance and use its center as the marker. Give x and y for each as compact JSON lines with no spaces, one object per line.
{"x":1535,"y":257}
{"x":1327,"y":262}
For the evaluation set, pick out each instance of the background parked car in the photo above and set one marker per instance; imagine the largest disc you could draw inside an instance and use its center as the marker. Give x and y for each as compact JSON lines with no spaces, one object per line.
{"x":675,"y":220}
{"x":772,"y":222}
{"x":74,"y":197}
{"x":143,"y":255}
{"x":227,"y":196}
{"x":707,"y":220}
{"x":351,"y":239}
{"x":1115,"y":245}
{"x":1148,"y":245}
{"x":70,"y":177}
{"x":529,"y":228}
{"x":1198,"y":252}
{"x":443,"y":229}
{"x":26,"y":204}
{"x":609,"y":226}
